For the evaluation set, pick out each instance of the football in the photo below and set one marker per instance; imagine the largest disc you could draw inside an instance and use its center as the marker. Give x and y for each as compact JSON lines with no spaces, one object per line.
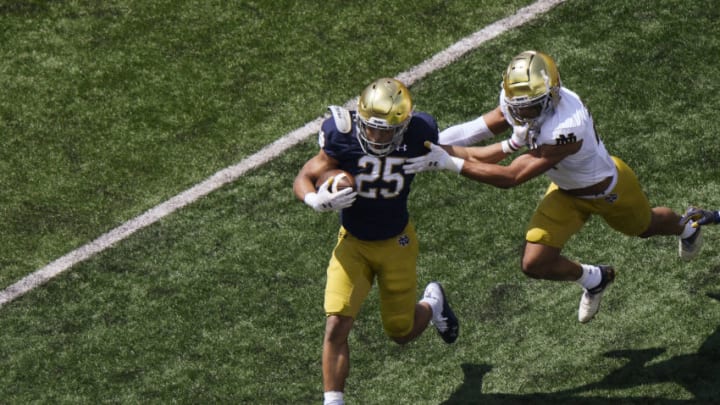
{"x":341,"y":180}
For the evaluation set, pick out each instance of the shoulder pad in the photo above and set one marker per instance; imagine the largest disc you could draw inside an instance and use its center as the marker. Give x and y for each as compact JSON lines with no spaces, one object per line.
{"x":341,"y":115}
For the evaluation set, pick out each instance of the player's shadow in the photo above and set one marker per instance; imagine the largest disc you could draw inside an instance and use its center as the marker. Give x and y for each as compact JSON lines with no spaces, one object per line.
{"x":698,"y":373}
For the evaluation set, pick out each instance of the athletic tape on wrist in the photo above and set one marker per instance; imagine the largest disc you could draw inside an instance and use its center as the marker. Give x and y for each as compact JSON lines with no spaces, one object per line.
{"x":457,"y":163}
{"x":507,"y":147}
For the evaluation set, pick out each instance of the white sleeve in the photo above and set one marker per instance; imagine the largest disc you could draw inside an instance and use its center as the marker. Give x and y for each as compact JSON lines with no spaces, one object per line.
{"x":465,"y":134}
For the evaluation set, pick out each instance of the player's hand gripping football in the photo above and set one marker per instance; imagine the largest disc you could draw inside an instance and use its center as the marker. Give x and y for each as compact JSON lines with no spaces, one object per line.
{"x":699,"y":217}
{"x":436,"y":159}
{"x":324,"y":200}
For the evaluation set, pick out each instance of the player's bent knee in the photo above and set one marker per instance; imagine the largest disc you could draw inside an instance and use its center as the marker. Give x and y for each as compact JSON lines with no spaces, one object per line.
{"x":337,"y":328}
{"x":533,"y":268}
{"x":402,"y":340}
{"x":398,"y":327}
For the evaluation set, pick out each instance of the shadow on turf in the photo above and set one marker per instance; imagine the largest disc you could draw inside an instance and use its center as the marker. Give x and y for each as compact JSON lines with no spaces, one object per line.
{"x":698,"y":373}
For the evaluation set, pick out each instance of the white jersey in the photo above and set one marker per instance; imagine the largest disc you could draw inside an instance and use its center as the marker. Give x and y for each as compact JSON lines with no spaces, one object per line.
{"x":569,"y":123}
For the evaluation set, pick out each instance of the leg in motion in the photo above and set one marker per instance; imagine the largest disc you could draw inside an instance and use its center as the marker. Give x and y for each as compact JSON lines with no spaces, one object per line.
{"x":665,"y":221}
{"x":443,"y":316}
{"x":546,"y":262}
{"x":590,"y":299}
{"x":336,"y":357}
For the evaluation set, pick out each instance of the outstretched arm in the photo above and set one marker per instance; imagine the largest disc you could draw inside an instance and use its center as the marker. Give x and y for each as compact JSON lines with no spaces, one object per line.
{"x":467,"y":133}
{"x":496,"y":152}
{"x":520,"y":170}
{"x":487,"y":154}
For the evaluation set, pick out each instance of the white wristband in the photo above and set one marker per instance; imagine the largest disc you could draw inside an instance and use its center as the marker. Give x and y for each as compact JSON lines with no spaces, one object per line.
{"x":506,"y":148}
{"x":457,"y":164}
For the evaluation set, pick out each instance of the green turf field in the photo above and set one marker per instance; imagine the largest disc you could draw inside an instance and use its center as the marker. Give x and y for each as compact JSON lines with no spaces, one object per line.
{"x":109,"y":108}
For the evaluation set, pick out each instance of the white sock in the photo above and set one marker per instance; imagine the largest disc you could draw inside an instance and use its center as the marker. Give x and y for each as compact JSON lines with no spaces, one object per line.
{"x":688,"y":231}
{"x":434,"y":305}
{"x":333,"y":398}
{"x":591,"y":277}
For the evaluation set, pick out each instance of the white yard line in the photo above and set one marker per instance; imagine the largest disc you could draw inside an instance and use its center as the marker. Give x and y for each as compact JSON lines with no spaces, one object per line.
{"x":268,"y":153}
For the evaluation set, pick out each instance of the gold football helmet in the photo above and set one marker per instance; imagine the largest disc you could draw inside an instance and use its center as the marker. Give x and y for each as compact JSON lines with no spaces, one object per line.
{"x":384,"y":105}
{"x":532,"y":86}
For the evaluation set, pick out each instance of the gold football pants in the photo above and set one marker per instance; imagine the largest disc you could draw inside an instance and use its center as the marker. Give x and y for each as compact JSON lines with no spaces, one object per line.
{"x":356,"y":263}
{"x":560,"y":215}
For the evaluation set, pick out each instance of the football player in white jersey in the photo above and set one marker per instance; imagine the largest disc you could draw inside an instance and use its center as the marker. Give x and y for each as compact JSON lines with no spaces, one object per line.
{"x":556,"y":127}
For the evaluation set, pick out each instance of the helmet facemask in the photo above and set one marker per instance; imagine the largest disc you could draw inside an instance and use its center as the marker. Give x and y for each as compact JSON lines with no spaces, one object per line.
{"x":532,"y":110}
{"x":379,"y":148}
{"x":385,"y":105}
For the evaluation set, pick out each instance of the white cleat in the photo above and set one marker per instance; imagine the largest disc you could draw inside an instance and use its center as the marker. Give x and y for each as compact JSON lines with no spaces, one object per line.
{"x":445,"y":322}
{"x":590,"y":300}
{"x":689,"y":247}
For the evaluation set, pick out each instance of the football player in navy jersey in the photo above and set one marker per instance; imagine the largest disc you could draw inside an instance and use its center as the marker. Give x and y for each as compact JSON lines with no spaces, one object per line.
{"x":377,"y":240}
{"x":555,"y":125}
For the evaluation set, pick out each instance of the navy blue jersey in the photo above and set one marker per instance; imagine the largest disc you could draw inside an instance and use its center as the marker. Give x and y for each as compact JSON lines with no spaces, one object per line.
{"x":380,"y":210}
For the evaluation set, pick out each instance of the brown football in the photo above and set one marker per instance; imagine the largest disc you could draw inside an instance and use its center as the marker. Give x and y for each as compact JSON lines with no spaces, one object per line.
{"x":341,"y":180}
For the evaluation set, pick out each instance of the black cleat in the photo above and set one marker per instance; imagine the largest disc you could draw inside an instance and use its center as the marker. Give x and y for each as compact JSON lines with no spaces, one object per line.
{"x":446,"y":322}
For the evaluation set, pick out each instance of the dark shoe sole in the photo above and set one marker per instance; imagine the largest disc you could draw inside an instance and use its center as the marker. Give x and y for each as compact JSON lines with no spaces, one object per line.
{"x":453,"y":330}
